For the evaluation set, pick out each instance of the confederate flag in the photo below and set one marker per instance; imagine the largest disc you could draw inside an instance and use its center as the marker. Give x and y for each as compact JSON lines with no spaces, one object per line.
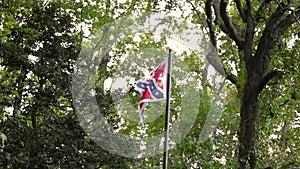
{"x":153,"y":87}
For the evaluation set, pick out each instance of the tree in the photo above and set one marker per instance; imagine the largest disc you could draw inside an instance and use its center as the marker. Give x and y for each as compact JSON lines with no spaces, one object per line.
{"x":39,"y":46}
{"x":256,"y":29}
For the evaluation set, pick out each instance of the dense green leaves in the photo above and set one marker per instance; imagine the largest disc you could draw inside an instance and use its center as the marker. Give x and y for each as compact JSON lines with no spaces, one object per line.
{"x":40,"y":43}
{"x":37,"y":59}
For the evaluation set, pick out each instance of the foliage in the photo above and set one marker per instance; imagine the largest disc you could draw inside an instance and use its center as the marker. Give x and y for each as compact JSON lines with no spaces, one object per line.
{"x":37,"y":59}
{"x":41,"y":40}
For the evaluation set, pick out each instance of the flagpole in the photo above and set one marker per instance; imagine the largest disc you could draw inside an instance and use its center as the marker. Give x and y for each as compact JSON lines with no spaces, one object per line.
{"x":168,"y":93}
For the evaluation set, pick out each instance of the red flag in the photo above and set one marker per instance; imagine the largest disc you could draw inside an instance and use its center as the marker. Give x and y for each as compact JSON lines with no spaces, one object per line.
{"x":152,"y":88}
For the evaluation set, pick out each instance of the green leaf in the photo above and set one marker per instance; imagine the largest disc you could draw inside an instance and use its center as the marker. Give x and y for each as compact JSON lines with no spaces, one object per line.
{"x":16,"y":93}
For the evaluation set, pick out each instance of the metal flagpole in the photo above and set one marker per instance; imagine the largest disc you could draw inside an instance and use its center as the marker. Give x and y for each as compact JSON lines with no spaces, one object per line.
{"x":168,"y":93}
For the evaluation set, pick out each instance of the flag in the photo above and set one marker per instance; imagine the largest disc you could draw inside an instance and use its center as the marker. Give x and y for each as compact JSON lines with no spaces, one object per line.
{"x":152,"y":87}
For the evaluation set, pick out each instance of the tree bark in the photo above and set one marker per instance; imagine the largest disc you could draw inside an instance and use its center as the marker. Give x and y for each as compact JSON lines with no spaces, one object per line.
{"x":248,"y":113}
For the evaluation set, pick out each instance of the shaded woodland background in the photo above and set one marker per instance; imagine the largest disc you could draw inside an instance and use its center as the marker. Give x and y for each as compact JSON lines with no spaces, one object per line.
{"x":257,"y":41}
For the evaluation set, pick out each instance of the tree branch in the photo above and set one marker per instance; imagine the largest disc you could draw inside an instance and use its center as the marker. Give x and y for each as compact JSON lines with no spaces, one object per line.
{"x":210,"y":56}
{"x":229,"y":26}
{"x":208,"y":12}
{"x":286,"y":23}
{"x":260,"y":11}
{"x":267,"y":78}
{"x":195,"y":9}
{"x":274,"y":33}
{"x":218,"y":66}
{"x":264,"y":42}
{"x":231,"y":77}
{"x":249,"y":32}
{"x":240,"y":9}
{"x":216,"y":7}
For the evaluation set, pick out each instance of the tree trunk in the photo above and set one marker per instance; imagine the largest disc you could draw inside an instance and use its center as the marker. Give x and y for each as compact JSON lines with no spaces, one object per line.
{"x":32,"y":151}
{"x":247,"y":129}
{"x":254,"y":83}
